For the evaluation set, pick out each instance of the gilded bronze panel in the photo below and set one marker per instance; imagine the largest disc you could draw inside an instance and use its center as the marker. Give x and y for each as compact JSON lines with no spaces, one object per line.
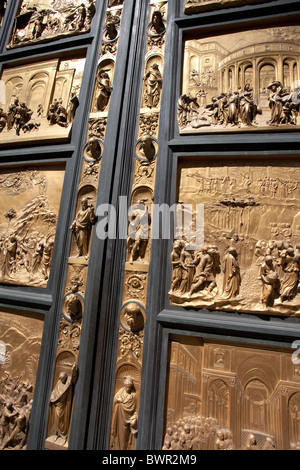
{"x":20,"y":343}
{"x":30,"y":200}
{"x":41,"y":100}
{"x":248,"y":258}
{"x":228,"y":396}
{"x":243,"y":81}
{"x":38,"y":22}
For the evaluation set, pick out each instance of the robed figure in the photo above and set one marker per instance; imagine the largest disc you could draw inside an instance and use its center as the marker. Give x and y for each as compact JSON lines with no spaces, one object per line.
{"x":61,"y":406}
{"x":232,"y":275}
{"x":125,"y":417}
{"x":82,"y":227}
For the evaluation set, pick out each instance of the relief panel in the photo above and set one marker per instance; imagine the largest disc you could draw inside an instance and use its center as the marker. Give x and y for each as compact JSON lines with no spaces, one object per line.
{"x":41,"y":101}
{"x":249,"y":261}
{"x":30,"y":201}
{"x":226,"y":396}
{"x":241,"y":82}
{"x":50,"y":19}
{"x":20,"y":343}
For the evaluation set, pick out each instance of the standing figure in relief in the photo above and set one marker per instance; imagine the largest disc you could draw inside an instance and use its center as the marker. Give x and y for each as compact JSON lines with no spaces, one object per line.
{"x":105,"y":90}
{"x":289,"y":278}
{"x":138,"y":232}
{"x":232,"y":276}
{"x":187,"y":269}
{"x":61,"y":404}
{"x":269,"y":279}
{"x":275,"y":102}
{"x":176,"y":266}
{"x":153,"y":81}
{"x":248,"y":109}
{"x":125,"y":417}
{"x":82,"y":227}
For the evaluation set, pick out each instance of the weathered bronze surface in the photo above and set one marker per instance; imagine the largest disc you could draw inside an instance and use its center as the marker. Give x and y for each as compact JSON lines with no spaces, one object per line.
{"x":51,"y":19}
{"x":250,"y":257}
{"x":30,"y":200}
{"x":227,"y":396}
{"x":41,"y":101}
{"x":241,"y":82}
{"x":20,"y":342}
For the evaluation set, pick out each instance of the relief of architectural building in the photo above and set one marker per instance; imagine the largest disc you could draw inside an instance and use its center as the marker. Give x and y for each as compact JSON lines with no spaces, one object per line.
{"x":230,"y":397}
{"x":41,"y":101}
{"x":233,"y":83}
{"x":249,"y":260}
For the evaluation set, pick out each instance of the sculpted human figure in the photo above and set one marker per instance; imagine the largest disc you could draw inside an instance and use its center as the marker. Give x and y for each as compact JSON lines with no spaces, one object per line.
{"x":289,"y":275}
{"x":105,"y":90}
{"x":147,"y":147}
{"x":125,"y":417}
{"x":275,"y":102}
{"x":10,"y":255}
{"x":93,"y":149}
{"x":187,"y":269}
{"x":153,"y":82}
{"x":61,"y":405}
{"x":187,"y":108}
{"x":3,"y":119}
{"x":133,"y":316}
{"x":138,"y":232}
{"x":82,"y":226}
{"x":232,"y":276}
{"x":176,"y":266}
{"x":17,"y":439}
{"x":205,"y":276}
{"x":157,"y":25}
{"x":248,"y":109}
{"x":269,"y":278}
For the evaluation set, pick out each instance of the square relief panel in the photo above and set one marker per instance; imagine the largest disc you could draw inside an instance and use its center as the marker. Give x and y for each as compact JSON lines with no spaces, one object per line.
{"x":230,"y":396}
{"x":238,"y":236}
{"x":29,"y":207}
{"x":244,"y":81}
{"x":39,"y":101}
{"x":37,"y":22}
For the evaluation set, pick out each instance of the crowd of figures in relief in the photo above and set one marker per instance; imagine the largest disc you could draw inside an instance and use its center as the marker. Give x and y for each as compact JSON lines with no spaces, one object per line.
{"x":52,"y":19}
{"x":15,"y":407}
{"x":238,"y":108}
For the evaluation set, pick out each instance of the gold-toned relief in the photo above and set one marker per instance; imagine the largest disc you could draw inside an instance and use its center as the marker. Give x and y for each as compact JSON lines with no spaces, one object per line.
{"x":50,"y":19}
{"x":20,"y":343}
{"x":41,"y":100}
{"x":124,"y":424}
{"x":249,"y":261}
{"x":61,"y":401}
{"x":73,"y":305}
{"x":227,"y":396}
{"x":241,"y":81}
{"x":195,"y":6}
{"x":30,"y":201}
